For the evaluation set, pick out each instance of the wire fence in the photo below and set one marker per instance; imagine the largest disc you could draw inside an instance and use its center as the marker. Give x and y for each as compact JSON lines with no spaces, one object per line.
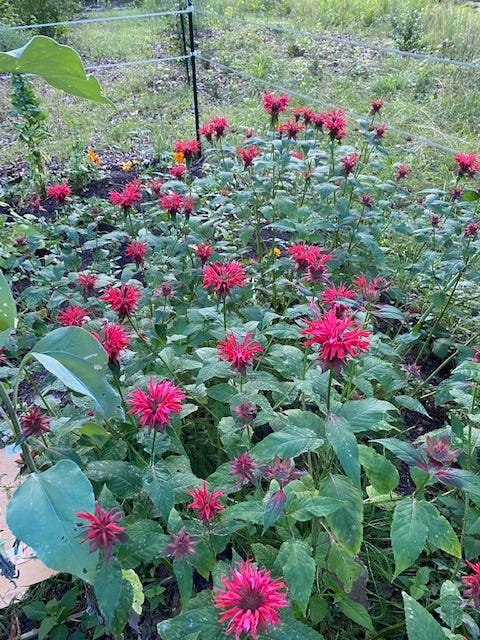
{"x":189,"y":57}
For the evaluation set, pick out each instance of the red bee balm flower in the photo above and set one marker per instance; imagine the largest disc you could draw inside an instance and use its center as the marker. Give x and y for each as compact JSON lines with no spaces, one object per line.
{"x":123,"y":300}
{"x":468,"y":164}
{"x":188,"y":147}
{"x":337,"y":338}
{"x":291,"y":129}
{"x":115,"y":340}
{"x":349,"y":163}
{"x":103,"y":530}
{"x":59,"y":192}
{"x":243,"y":466}
{"x":250,"y":599}
{"x":248,"y":155}
{"x":181,"y":545}
{"x":472,"y":584}
{"x":375,"y":105}
{"x":178,"y":171}
{"x":33,"y":423}
{"x":126,"y":198}
{"x":87,"y":281}
{"x":155,"y":407}
{"x":203,"y":252}
{"x":72,"y":317}
{"x":172,"y":203}
{"x":335,"y":122}
{"x":136,"y":251}
{"x":274,"y":105}
{"x":224,"y":276}
{"x":303,"y":255}
{"x":240,"y":354}
{"x":206,"y":505}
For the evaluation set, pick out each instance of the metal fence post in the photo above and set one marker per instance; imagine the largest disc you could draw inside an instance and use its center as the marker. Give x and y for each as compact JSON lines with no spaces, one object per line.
{"x":184,"y":46}
{"x":193,"y":66}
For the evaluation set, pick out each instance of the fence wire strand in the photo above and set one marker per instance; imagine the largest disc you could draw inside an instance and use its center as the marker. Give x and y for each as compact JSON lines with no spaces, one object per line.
{"x":400,"y":132}
{"x":110,"y":65}
{"x":348,"y":42}
{"x":90,"y":20}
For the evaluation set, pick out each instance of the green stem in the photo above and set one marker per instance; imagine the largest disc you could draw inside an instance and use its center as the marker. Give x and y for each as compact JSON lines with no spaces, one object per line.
{"x":329,"y":388}
{"x":17,"y":431}
{"x":152,"y":452}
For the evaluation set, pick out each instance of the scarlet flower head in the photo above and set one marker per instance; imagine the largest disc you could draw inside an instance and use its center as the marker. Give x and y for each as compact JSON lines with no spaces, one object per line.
{"x":375,"y":105}
{"x":468,"y":164}
{"x":172,"y":203}
{"x":136,"y":251}
{"x":33,"y":423}
{"x":123,"y":299}
{"x":349,"y":163}
{"x":250,"y":600}
{"x":306,"y":114}
{"x":317,"y":268}
{"x":248,"y":155}
{"x":155,"y":407}
{"x":115,"y":339}
{"x":125,"y":199}
{"x":337,"y":338}
{"x":335,"y":122}
{"x":291,"y":129}
{"x":303,"y":255}
{"x":379,"y":132}
{"x":472,"y":584}
{"x":439,"y":451}
{"x":244,"y":413}
{"x":240,"y":354}
{"x":188,"y":147}
{"x":214,"y":127}
{"x":203,"y":252}
{"x":372,"y":290}
{"x":243,"y":466}
{"x":206,"y":505}
{"x":472,"y":229}
{"x":87,"y":281}
{"x":178,"y":171}
{"x":182,"y":545}
{"x":331,"y":295}
{"x":297,"y":154}
{"x":366,"y":200}
{"x":156,"y":186}
{"x":72,"y":317}
{"x":59,"y":192}
{"x":274,"y":105}
{"x":224,"y":276}
{"x":103,"y":530}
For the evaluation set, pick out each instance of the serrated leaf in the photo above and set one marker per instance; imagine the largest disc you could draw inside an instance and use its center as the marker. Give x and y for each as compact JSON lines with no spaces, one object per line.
{"x":55,"y":497}
{"x":123,"y":479}
{"x":274,"y":508}
{"x":381,"y":472}
{"x":78,"y":360}
{"x":158,"y":485}
{"x":421,"y":625}
{"x":356,"y":612}
{"x":290,"y":442}
{"x":138,"y":596}
{"x":304,"y":508}
{"x":368,"y":414}
{"x":451,"y":610}
{"x":440,"y":532}
{"x":408,"y":534}
{"x":344,"y":443}
{"x":145,"y":542}
{"x":345,"y":522}
{"x":199,"y":620}
{"x":107,"y":587}
{"x":341,"y":563}
{"x":413,"y":404}
{"x":298,"y":569}
{"x":405,"y":451}
{"x":184,"y":577}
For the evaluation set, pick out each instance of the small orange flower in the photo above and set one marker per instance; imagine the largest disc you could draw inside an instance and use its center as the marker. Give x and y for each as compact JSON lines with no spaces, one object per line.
{"x":179,"y":157}
{"x":277,"y":252}
{"x":126,"y":166}
{"x":92,"y":157}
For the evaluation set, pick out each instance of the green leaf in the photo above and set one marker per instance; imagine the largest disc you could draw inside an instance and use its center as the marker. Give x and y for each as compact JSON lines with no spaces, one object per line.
{"x":341,"y":563}
{"x":413,"y":404}
{"x":421,"y":625}
{"x":107,"y":587}
{"x":122,"y":612}
{"x":199,"y":620}
{"x":158,"y":486}
{"x":380,"y":471}
{"x":286,"y":360}
{"x":451,"y":610}
{"x":463,"y":479}
{"x":368,"y":414}
{"x":440,"y":532}
{"x":76,"y":358}
{"x":403,"y":450}
{"x":306,"y":507}
{"x":344,"y":444}
{"x":408,"y":534}
{"x":57,"y":64}
{"x":138,"y":596}
{"x":298,"y":569}
{"x":356,"y":612}
{"x":55,"y":497}
{"x":8,"y":313}
{"x":145,"y":542}
{"x":273,"y":508}
{"x":184,"y":576}
{"x":345,"y":522}
{"x":123,"y":479}
{"x":290,"y":442}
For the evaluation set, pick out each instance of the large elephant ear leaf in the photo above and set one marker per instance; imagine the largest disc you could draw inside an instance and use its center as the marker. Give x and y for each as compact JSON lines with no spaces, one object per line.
{"x":57,"y":64}
{"x":76,"y":358}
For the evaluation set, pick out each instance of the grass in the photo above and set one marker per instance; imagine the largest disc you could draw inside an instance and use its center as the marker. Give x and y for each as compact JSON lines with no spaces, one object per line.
{"x":155,"y":104}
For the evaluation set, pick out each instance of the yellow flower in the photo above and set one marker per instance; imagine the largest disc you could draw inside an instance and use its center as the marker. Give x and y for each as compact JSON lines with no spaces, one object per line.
{"x":92,"y":157}
{"x":276,"y":252}
{"x":126,"y":166}
{"x":178,"y":157}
